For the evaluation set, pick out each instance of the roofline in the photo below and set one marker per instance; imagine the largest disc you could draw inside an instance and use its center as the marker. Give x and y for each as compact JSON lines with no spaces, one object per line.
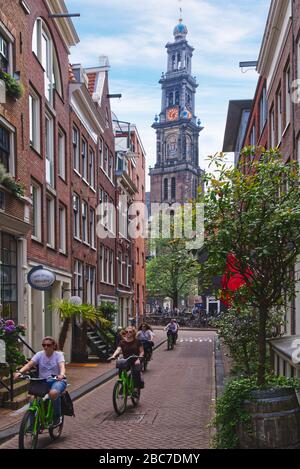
{"x":64,"y":25}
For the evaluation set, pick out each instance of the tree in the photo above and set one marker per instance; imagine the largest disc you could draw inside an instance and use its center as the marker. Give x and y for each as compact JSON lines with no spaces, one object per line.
{"x":254,"y":214}
{"x":173,"y":272}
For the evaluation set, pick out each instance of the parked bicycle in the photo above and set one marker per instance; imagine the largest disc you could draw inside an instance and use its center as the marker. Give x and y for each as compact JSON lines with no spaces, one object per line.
{"x":124,"y":387}
{"x":40,"y":415}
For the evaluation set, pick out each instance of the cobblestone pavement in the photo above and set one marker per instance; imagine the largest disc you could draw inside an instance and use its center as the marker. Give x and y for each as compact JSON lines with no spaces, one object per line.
{"x":174,"y":412}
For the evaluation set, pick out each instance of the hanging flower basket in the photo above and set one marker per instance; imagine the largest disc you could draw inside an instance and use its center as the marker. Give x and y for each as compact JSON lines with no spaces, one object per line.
{"x":9,"y":333}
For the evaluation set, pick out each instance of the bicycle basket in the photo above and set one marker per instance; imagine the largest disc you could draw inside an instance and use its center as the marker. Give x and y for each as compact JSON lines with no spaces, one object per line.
{"x":38,"y":388}
{"x":67,"y":407}
{"x":122,"y":364}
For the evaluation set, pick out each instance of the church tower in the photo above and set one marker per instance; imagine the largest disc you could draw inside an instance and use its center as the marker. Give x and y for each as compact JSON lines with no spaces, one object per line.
{"x":177,"y":175}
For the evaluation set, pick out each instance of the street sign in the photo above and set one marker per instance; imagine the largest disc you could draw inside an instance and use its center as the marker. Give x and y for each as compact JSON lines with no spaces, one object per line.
{"x":41,"y":279}
{"x":2,"y":352}
{"x":75,"y":301}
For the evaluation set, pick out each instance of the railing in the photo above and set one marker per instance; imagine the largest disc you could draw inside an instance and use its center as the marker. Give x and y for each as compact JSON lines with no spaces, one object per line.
{"x":10,"y":387}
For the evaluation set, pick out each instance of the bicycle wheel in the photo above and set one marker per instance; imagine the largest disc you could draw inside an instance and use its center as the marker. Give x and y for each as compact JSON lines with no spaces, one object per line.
{"x":119,"y":398}
{"x":57,"y":431}
{"x":27,"y":438}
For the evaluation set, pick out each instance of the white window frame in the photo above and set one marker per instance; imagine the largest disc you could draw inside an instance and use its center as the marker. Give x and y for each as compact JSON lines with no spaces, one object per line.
{"x":92,"y":227}
{"x":36,"y":211}
{"x":111,"y":266}
{"x":263,"y":109}
{"x":101,"y":148}
{"x":11,"y":132}
{"x":75,"y":148}
{"x":62,"y":229}
{"x":9,"y":40}
{"x":49,"y":150}
{"x":91,"y":169}
{"x":78,"y":278}
{"x":84,"y":217}
{"x":48,"y":58}
{"x":253,"y":136}
{"x":288,"y":96}
{"x":91,"y":287}
{"x":76,"y":216}
{"x":61,"y":149}
{"x":50,"y":215}
{"x":84,"y":159}
{"x":272,"y":128}
{"x":120,"y":269}
{"x":35,"y":121}
{"x":279,"y":115}
{"x":101,"y":254}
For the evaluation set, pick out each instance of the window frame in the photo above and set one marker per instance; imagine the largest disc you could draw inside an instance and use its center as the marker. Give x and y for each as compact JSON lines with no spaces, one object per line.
{"x":61,"y":153}
{"x":62,"y":229}
{"x":36,"y":213}
{"x":50,"y":220}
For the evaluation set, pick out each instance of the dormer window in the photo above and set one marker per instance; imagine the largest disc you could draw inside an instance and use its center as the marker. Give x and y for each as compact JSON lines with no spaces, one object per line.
{"x":43,"y":48}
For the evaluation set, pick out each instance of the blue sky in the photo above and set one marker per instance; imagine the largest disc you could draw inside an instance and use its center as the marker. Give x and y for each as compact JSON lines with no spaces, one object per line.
{"x":133,"y":35}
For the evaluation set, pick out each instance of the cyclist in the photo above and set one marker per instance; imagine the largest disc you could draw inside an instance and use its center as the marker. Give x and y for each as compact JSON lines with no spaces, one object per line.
{"x":129,"y":346}
{"x":145,"y":335}
{"x":172,"y":329}
{"x":50,"y":362}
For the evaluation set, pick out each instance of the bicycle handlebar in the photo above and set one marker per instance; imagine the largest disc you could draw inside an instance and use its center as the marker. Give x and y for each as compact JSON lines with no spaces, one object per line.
{"x":37,"y":379}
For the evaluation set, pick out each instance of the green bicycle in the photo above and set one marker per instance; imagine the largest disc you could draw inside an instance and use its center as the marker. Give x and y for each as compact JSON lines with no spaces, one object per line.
{"x":124,"y":387}
{"x":39,"y":417}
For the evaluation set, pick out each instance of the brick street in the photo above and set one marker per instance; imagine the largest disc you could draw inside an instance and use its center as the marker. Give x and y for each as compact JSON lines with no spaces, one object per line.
{"x":174,"y":411}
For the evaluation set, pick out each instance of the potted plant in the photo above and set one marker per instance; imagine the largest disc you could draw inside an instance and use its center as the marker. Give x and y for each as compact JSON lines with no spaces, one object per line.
{"x":11,"y":183}
{"x":14,"y":88}
{"x":9,"y":333}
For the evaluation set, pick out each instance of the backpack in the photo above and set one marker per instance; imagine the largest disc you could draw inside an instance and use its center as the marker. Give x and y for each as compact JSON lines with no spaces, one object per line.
{"x":67,"y":407}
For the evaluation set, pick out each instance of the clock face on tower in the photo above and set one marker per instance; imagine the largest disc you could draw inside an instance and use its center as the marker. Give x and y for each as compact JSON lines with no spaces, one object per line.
{"x":172,"y":114}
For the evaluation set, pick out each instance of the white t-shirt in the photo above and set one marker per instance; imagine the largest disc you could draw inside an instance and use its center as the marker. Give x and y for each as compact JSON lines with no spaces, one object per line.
{"x":48,"y":365}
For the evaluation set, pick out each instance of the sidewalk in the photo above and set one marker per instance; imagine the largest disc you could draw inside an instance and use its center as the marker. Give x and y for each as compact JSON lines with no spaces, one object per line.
{"x":82,"y":378}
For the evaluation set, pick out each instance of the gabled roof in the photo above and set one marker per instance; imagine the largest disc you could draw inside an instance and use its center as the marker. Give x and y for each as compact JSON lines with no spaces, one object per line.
{"x":235,"y":110}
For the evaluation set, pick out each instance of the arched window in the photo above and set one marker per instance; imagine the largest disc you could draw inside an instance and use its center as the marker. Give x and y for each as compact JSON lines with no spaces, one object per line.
{"x":173,"y":188}
{"x":44,"y":49}
{"x":173,"y":62}
{"x":171,"y":98}
{"x":166,"y":189}
{"x":178,"y":60}
{"x":177,"y":98}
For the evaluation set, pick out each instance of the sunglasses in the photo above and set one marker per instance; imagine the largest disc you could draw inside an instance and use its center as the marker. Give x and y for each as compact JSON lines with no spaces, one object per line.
{"x":128,"y":332}
{"x":47,"y":345}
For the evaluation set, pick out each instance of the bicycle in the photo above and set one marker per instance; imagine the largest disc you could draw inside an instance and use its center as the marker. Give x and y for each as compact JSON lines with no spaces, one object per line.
{"x":39,"y":416}
{"x":171,"y":340}
{"x":147,"y":357}
{"x":124,"y":387}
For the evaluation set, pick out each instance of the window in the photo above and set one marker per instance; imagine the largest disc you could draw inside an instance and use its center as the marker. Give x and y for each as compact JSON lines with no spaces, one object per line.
{"x":2,"y":200}
{"x":8,"y":277}
{"x":111,"y":267}
{"x":84,"y":222}
{"x":126,"y":270}
{"x":76,"y":163}
{"x":101,"y":153}
{"x":92,"y":228}
{"x":50,"y":217}
{"x":105,"y":162}
{"x":173,"y":188}
{"x":143,"y":260}
{"x":5,"y":148}
{"x":78,"y":282}
{"x":279,"y":116}
{"x":62,"y":154}
{"x":90,"y":291}
{"x":120,"y":269}
{"x":36,"y":195}
{"x":101,"y":263}
{"x":253,"y":136}
{"x":166,"y":189}
{"x":106,"y":273}
{"x":272,"y":129}
{"x":137,"y":256}
{"x":107,"y":118}
{"x":62,"y":229}
{"x":76,"y":220}
{"x":43,"y":47}
{"x":171,"y":98}
{"x":49,"y":150}
{"x":92,"y":168}
{"x":263,"y":109}
{"x":84,"y":158}
{"x":288,"y":85}
{"x":4,"y":54}
{"x":34,"y":121}
{"x":177,"y":98}
{"x":110,"y":166}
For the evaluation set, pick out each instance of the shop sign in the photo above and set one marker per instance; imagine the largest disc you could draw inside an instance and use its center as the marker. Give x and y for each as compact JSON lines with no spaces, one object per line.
{"x":41,"y":279}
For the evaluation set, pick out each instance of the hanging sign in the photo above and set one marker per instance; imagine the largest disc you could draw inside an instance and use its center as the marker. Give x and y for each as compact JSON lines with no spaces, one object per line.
{"x":41,"y":279}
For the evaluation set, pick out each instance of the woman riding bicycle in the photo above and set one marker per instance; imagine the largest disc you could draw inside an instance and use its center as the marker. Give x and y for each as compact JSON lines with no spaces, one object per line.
{"x":145,"y":335}
{"x":50,"y":362}
{"x":129,"y":346}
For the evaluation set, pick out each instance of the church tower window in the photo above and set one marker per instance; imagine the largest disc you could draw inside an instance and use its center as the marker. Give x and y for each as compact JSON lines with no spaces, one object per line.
{"x":166,"y":189}
{"x":173,"y":188}
{"x":177,"y":98}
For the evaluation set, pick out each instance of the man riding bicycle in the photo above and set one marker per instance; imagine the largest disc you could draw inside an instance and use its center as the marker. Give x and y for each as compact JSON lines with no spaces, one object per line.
{"x":172,"y":329}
